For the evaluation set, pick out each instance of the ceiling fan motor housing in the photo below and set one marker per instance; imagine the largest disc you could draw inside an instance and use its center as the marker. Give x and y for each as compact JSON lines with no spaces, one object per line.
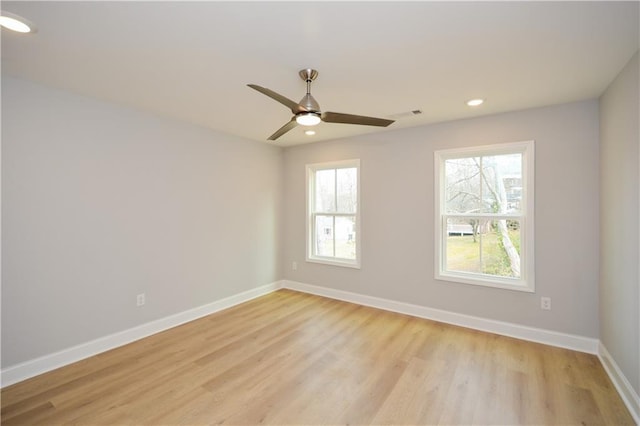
{"x":310,"y":103}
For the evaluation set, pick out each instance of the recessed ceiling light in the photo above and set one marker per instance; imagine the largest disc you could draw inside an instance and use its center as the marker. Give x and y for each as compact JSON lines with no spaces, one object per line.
{"x":475,"y":102}
{"x":16,"y":23}
{"x":309,"y":132}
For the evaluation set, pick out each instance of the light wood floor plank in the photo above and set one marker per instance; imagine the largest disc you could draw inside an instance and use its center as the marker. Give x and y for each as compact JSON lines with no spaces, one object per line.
{"x":294,"y":358}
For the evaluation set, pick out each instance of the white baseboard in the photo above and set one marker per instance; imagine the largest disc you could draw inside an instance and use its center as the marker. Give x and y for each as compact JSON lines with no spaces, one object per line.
{"x":626,"y":391}
{"x":548,"y":337}
{"x":25,"y":370}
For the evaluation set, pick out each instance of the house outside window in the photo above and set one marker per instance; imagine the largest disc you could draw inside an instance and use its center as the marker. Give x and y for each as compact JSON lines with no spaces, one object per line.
{"x":333,"y":213}
{"x":484,"y":202}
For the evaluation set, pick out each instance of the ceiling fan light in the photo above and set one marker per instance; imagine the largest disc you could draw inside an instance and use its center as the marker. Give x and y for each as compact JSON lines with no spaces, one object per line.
{"x":308,"y":119}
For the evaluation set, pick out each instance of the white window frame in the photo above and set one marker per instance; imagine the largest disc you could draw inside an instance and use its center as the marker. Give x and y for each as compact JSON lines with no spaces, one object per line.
{"x":526,"y":282}
{"x":311,"y":213}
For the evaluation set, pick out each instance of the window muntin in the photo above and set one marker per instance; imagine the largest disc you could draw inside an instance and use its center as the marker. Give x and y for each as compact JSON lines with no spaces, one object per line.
{"x":333,"y":235}
{"x":484,"y":215}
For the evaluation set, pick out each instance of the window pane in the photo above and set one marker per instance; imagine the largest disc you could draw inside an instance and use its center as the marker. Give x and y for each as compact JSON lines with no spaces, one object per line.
{"x":502,"y":183}
{"x":501,"y":248}
{"x":462,"y":185}
{"x":347,"y":190}
{"x":345,"y":237}
{"x":463,"y":245}
{"x":490,"y":247}
{"x":325,"y":190}
{"x":324,"y":236}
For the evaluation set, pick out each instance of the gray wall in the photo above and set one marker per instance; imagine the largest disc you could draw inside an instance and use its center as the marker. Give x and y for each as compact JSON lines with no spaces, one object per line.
{"x":100,"y":203}
{"x":398,"y":217}
{"x":619,"y":226}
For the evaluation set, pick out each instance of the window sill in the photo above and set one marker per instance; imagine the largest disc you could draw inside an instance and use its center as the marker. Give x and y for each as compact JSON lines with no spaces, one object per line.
{"x":501,"y":283}
{"x":334,"y":262}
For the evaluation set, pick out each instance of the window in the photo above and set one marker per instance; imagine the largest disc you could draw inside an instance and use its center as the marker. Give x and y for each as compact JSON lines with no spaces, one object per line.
{"x":333,"y":222}
{"x":484,"y":215}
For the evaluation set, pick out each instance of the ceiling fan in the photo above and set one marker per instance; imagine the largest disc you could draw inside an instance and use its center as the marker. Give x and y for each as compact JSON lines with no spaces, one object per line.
{"x":307,"y":111}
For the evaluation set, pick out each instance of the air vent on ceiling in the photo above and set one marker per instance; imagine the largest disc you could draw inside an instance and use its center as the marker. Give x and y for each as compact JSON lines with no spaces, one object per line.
{"x":405,"y":114}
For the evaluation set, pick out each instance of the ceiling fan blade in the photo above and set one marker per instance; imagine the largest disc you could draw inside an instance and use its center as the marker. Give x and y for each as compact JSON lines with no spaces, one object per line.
{"x":284,"y":129}
{"x":294,"y":106}
{"x":337,"y":117}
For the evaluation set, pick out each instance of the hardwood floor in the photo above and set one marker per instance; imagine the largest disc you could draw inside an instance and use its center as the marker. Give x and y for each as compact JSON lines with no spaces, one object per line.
{"x":294,"y":358}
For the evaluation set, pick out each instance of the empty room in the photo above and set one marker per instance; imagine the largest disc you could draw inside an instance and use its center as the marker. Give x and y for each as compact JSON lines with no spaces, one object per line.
{"x":308,"y":213}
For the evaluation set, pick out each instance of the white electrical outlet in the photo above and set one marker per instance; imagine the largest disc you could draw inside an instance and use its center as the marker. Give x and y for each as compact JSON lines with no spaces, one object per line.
{"x":545,"y":303}
{"x":294,"y":266}
{"x":140,"y":299}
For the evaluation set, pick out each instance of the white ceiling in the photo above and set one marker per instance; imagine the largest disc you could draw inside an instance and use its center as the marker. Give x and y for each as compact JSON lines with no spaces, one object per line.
{"x":192,"y":60}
